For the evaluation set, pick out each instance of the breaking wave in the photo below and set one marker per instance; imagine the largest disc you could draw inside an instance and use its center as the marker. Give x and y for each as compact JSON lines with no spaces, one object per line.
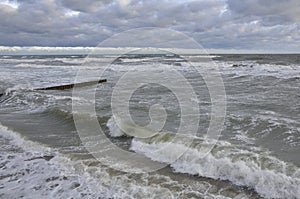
{"x":252,"y":167}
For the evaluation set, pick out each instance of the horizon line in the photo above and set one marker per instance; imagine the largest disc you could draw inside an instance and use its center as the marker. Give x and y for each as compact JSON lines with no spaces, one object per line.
{"x":70,"y":50}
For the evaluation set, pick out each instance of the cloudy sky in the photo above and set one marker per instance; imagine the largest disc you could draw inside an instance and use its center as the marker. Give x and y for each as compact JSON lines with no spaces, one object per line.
{"x":215,"y":24}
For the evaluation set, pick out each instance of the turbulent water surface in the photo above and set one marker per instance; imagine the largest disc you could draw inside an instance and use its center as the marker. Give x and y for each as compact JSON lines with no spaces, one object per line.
{"x":257,"y":155}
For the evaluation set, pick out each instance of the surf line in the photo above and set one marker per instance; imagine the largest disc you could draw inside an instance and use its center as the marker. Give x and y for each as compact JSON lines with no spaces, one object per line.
{"x":69,"y":86}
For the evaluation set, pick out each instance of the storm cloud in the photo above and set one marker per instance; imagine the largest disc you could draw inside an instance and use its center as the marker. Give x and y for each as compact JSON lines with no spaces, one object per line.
{"x":219,"y":24}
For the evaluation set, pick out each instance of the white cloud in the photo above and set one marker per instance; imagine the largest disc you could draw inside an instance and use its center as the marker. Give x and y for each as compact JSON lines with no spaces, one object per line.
{"x":72,"y":13}
{"x":13,"y":4}
{"x":124,"y":3}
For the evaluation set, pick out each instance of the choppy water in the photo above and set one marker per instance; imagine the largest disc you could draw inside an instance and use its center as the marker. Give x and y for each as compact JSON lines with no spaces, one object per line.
{"x":257,"y":155}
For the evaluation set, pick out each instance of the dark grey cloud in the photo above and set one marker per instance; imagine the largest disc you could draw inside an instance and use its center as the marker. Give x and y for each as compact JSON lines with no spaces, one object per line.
{"x":274,"y":9}
{"x":248,"y":24}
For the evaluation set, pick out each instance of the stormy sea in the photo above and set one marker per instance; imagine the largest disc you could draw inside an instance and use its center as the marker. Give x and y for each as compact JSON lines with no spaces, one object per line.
{"x":256,"y":155}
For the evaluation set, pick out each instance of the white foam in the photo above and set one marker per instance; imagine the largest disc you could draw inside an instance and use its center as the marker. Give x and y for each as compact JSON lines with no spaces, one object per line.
{"x":267,"y":175}
{"x":25,"y":173}
{"x":153,"y":67}
{"x":114,"y":130}
{"x":72,"y":60}
{"x":37,"y":65}
{"x":109,"y":185}
{"x":251,"y":68}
